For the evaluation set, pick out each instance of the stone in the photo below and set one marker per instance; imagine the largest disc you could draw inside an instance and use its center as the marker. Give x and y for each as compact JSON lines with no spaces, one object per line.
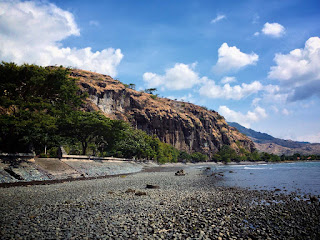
{"x":314,"y":199}
{"x":180,"y":173}
{"x":139,"y":193}
{"x":150,"y":186}
{"x":129,"y":190}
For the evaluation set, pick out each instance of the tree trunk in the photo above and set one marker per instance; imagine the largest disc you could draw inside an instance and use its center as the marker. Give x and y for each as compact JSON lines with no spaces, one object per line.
{"x":84,"y":147}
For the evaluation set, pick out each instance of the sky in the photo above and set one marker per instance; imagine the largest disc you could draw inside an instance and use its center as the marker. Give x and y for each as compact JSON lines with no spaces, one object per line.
{"x":255,"y":62}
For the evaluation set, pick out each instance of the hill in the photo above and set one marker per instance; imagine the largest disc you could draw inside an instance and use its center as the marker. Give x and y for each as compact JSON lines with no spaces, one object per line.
{"x":185,"y":126}
{"x":42,"y":108}
{"x":267,"y":143}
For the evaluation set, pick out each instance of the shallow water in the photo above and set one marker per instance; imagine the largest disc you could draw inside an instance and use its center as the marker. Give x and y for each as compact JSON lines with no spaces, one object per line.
{"x":300,"y":177}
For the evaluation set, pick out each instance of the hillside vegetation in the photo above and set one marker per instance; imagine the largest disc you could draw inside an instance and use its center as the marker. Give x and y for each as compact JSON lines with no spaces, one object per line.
{"x":42,"y":108}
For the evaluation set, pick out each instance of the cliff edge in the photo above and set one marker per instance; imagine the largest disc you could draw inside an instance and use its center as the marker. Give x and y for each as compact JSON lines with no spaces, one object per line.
{"x":186,"y":126}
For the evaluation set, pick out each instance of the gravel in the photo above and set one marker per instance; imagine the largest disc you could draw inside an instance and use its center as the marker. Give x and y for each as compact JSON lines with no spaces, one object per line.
{"x":183,"y":207}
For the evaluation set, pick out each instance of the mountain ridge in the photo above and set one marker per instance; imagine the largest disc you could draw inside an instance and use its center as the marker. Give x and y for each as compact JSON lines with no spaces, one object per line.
{"x":267,"y":143}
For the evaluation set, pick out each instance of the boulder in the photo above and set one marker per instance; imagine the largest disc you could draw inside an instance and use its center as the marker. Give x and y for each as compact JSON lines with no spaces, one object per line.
{"x":180,"y":173}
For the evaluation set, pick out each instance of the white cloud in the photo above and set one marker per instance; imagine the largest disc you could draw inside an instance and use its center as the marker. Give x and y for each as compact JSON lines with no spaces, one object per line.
{"x":299,"y":70}
{"x":255,"y":102}
{"x":228,"y":80}
{"x":244,"y":119}
{"x":32,"y":32}
{"x":211,"y":90}
{"x":181,"y":76}
{"x":285,"y":112}
{"x":231,"y":58}
{"x":218,"y":18}
{"x":274,"y":94}
{"x":256,"y":34}
{"x":273,"y":29}
{"x":186,"y":98}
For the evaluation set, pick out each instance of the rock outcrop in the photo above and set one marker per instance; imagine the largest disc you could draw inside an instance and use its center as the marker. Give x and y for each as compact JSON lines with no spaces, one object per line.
{"x":186,"y":126}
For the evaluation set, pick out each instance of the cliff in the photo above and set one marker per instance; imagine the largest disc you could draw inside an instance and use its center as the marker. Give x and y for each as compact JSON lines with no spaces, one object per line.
{"x":186,"y":126}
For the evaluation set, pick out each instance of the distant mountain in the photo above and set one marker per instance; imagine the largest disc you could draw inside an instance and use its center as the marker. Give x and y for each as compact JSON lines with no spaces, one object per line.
{"x":267,"y":143}
{"x":260,"y":137}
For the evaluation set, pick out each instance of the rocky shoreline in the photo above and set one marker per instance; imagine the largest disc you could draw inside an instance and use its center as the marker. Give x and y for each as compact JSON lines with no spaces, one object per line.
{"x":178,"y":207}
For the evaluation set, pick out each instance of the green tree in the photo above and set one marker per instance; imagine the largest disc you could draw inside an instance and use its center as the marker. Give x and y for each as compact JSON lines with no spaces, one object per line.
{"x":32,"y":98}
{"x":86,"y":127}
{"x":132,"y":86}
{"x":198,"y":157}
{"x":150,"y":90}
{"x":226,"y":154}
{"x":184,"y":156}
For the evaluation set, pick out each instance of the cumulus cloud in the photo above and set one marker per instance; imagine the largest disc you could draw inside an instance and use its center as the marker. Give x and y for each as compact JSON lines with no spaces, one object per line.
{"x":31,"y":32}
{"x":273,"y":29}
{"x":181,"y":76}
{"x":299,"y":71}
{"x":255,"y":102}
{"x":244,"y":119}
{"x":218,"y":18}
{"x":211,"y":90}
{"x":231,"y":58}
{"x":228,"y":80}
{"x":185,"y":98}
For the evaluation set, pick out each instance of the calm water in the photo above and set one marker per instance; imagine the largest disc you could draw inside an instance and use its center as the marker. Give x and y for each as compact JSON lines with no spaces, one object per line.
{"x":301,"y":177}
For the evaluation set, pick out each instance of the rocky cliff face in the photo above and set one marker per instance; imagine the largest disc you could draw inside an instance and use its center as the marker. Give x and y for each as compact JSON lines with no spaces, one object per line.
{"x":186,"y":126}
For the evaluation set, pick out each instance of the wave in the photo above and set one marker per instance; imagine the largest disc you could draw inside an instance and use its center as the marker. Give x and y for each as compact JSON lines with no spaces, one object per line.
{"x":257,"y":168}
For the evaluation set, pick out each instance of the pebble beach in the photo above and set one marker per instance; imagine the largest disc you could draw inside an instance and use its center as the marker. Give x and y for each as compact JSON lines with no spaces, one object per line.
{"x":191,"y":206}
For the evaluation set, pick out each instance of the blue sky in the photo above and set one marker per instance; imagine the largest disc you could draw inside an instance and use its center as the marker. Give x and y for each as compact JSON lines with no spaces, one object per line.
{"x":255,"y":62}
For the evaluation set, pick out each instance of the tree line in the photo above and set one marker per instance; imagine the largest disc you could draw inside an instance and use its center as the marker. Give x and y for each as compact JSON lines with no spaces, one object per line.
{"x":227,"y":154}
{"x":40,"y":109}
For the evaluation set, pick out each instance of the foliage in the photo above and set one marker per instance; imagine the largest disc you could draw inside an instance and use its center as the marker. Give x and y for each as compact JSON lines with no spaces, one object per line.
{"x":32,"y":100}
{"x":86,"y":127}
{"x":132,"y":86}
{"x":150,"y":90}
{"x":40,"y":110}
{"x":198,"y":157}
{"x":184,"y":156}
{"x":226,"y":154}
{"x":154,"y":97}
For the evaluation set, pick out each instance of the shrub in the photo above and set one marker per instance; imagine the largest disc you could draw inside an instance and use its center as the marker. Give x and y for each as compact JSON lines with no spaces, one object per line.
{"x":154,"y":97}
{"x":198,"y":157}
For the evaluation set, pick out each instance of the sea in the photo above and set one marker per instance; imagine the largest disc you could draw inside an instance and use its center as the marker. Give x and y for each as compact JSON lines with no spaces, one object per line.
{"x":299,"y":177}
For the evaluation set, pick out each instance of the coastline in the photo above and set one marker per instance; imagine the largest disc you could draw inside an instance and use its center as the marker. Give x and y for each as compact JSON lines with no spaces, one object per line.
{"x":58,"y":171}
{"x":179,"y":207}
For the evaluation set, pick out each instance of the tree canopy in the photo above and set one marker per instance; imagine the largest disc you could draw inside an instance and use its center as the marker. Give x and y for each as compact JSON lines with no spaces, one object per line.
{"x":32,"y":100}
